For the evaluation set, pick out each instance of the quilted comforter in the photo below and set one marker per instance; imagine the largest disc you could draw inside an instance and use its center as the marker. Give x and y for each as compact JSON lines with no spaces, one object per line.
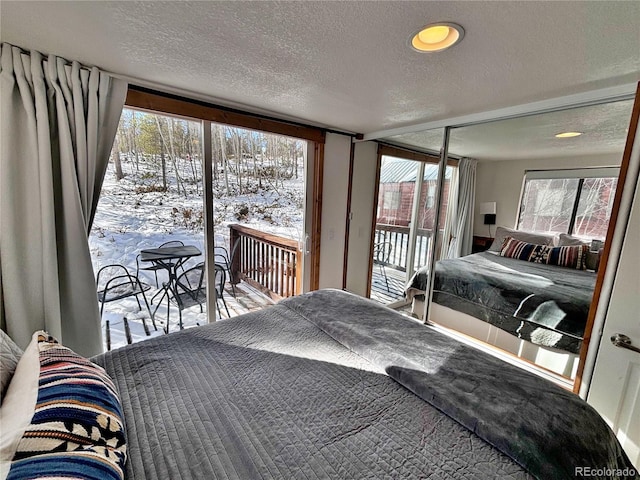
{"x":544,"y":304}
{"x":329,"y":385}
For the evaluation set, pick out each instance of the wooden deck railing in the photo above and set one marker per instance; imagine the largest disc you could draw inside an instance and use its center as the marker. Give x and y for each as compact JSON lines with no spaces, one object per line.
{"x":266,"y":261}
{"x":398,"y":237}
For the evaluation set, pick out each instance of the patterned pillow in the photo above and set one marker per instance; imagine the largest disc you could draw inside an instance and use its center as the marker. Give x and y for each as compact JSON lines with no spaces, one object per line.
{"x":570,"y":256}
{"x":9,"y":355}
{"x":77,"y":429}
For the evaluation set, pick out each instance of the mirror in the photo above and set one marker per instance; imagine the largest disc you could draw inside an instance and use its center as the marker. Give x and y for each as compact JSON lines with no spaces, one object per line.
{"x":527,"y":178}
{"x":406,"y":203}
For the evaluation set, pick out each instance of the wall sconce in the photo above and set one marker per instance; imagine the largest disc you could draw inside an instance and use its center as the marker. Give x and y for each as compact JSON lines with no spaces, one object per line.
{"x":488,"y":209}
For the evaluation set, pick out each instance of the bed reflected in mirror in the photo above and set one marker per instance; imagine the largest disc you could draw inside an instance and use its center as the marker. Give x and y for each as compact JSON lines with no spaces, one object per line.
{"x":523,"y":281}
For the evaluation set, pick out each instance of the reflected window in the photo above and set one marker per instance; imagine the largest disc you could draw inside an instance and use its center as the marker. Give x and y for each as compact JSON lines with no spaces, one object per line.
{"x":576,"y":202}
{"x":547,"y":205}
{"x":391,"y":200}
{"x":594,"y":207}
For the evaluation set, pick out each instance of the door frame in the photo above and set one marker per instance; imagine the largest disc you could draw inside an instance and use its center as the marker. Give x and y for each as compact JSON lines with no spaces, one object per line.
{"x":406,"y":154}
{"x":155,"y":101}
{"x":610,"y":258}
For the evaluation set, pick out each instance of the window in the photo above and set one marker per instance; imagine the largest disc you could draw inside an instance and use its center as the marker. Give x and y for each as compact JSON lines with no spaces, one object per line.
{"x":547,"y":205}
{"x":577,"y":202}
{"x":405,"y":216}
{"x":431,"y":195}
{"x":391,"y":200}
{"x":594,"y":207}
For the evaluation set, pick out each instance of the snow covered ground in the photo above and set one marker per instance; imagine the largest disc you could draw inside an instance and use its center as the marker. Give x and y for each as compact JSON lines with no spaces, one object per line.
{"x":131,"y":217}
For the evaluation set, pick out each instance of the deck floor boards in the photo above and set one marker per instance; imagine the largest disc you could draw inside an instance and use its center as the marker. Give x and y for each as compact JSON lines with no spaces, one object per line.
{"x":120,"y":330}
{"x":388,"y":291}
{"x":247,"y":299}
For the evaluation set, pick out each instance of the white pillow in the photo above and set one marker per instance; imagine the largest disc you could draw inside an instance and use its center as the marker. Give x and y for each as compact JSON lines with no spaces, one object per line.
{"x":19,"y":404}
{"x":10,"y":353}
{"x":569,"y":241}
{"x":521,"y":235}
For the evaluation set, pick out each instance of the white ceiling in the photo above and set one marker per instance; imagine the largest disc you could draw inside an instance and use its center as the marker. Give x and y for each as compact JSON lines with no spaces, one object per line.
{"x":345,"y":65}
{"x":604,"y":131}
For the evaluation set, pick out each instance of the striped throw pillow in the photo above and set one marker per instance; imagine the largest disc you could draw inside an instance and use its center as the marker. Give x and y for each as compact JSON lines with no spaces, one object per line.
{"x":573,"y":256}
{"x":77,"y":429}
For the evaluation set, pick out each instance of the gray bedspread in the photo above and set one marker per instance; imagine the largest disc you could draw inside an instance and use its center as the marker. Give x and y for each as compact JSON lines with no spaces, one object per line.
{"x":316,"y":387}
{"x":544,"y":304}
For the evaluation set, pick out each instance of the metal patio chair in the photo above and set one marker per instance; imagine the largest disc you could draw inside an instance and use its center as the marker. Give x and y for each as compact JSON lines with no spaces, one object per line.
{"x":221,"y":256}
{"x":191,"y":290}
{"x":115,"y":282}
{"x":381,"y":256}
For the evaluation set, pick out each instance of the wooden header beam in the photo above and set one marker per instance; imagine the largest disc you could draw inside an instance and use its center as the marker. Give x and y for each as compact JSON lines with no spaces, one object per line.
{"x":185,"y":107}
{"x":411,"y":155}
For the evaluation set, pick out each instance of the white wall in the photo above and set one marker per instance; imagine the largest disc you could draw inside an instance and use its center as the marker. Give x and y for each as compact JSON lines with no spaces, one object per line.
{"x":501,"y":182}
{"x":337,"y":152}
{"x":362,"y":201}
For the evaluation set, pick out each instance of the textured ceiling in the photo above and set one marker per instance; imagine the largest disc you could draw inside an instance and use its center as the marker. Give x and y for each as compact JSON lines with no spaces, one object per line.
{"x":346,"y":65}
{"x":604,"y":131}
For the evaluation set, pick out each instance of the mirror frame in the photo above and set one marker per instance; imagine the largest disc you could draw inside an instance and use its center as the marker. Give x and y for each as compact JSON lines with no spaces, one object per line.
{"x":608,"y":245}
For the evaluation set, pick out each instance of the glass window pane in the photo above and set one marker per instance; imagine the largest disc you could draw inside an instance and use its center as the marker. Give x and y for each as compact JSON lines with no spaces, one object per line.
{"x":405,"y":215}
{"x":594,"y":207}
{"x":547,"y":205}
{"x":428,"y":197}
{"x":259,"y":182}
{"x":395,"y":201}
{"x":151,"y":195}
{"x":427,"y":211}
{"x":397,"y":184}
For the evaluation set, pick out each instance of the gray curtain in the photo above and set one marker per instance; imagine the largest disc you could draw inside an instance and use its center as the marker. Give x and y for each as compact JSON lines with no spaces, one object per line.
{"x":462,"y":229}
{"x":58,"y":124}
{"x":451,"y":214}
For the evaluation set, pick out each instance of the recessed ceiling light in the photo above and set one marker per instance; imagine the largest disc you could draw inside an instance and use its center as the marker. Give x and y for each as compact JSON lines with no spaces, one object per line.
{"x":436,"y":37}
{"x":568,"y":134}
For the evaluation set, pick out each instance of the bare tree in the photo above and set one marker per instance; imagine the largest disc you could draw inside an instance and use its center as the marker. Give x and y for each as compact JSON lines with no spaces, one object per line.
{"x":132,"y":134}
{"x":116,"y":158}
{"x":179,"y":182}
{"x":595,"y":205}
{"x":223,"y":157}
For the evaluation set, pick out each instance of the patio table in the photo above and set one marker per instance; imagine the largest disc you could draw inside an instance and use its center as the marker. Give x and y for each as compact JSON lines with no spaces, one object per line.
{"x":170,"y":259}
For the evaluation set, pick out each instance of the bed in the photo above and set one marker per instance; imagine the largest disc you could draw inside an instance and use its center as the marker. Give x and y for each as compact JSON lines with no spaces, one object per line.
{"x":330,"y":385}
{"x":544,"y":305}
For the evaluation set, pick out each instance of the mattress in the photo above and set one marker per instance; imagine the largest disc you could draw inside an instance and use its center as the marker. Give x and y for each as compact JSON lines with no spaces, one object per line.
{"x":544,"y":304}
{"x":330,"y":385}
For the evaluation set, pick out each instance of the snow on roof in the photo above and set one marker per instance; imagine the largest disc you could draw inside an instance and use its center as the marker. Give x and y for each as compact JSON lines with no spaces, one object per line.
{"x":399,"y":170}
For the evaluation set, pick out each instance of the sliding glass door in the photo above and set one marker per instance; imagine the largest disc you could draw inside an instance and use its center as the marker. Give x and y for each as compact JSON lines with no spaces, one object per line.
{"x":258,"y":203}
{"x":151,"y":197}
{"x":393,"y":233}
{"x":404,"y":221}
